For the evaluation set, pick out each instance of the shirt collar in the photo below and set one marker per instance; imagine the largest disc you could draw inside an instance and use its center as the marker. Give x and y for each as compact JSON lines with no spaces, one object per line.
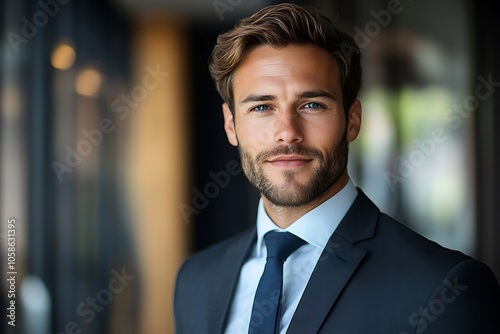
{"x":317,"y":225}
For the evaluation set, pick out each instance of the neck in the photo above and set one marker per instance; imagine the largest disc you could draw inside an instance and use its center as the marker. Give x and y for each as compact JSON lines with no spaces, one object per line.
{"x":286,"y":216}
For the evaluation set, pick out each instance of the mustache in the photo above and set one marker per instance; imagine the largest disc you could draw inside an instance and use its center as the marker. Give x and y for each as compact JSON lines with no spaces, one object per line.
{"x":287,"y":150}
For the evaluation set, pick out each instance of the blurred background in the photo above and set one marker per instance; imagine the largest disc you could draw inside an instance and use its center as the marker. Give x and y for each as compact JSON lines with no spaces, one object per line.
{"x":115,"y":166}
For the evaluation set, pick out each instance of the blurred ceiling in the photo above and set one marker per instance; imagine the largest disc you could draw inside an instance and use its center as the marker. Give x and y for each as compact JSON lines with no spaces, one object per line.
{"x":210,"y":10}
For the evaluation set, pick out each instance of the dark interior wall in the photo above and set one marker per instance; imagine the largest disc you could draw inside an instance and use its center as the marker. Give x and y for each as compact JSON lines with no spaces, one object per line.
{"x":487,"y":53}
{"x":214,"y":159}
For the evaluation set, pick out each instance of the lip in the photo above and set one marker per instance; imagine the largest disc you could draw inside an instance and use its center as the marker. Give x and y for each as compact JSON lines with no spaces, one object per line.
{"x":289,"y":161}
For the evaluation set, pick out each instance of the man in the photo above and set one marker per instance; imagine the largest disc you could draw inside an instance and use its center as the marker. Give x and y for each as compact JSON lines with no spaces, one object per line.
{"x":289,"y":80}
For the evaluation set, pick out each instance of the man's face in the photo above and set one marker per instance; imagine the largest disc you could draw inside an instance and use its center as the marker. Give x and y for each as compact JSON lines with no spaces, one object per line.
{"x":289,"y":123}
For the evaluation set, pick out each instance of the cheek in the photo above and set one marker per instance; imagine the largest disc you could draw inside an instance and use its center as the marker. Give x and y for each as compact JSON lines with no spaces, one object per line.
{"x":324,"y":133}
{"x":254,"y":134}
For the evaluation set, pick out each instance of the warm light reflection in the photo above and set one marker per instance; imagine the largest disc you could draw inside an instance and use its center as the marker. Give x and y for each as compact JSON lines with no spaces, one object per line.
{"x":88,"y":82}
{"x":11,"y":101}
{"x":63,"y":56}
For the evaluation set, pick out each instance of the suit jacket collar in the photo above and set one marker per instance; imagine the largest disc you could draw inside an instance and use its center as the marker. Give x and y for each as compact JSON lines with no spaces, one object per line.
{"x":235,"y":255}
{"x":360,"y":221}
{"x":338,"y":262}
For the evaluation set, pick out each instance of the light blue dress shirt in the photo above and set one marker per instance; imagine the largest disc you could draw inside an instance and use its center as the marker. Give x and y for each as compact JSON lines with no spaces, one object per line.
{"x":315,"y":227}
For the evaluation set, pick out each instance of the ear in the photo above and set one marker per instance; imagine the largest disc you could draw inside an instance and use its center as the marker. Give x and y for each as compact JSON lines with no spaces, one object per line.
{"x":354,"y":121}
{"x":229,"y":126}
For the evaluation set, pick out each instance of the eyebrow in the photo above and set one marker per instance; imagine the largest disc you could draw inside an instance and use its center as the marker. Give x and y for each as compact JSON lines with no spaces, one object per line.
{"x":315,"y":93}
{"x":258,"y":98}
{"x":302,"y":95}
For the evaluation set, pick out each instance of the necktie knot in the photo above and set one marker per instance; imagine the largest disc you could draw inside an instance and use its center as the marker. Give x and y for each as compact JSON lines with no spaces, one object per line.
{"x":281,"y":244}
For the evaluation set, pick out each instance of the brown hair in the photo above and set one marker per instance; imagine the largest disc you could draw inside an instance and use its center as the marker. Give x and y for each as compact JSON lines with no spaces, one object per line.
{"x":281,"y":25}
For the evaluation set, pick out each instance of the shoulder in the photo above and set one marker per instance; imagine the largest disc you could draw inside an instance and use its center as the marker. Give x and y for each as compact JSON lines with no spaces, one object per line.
{"x":446,"y":291}
{"x":465,"y":300}
{"x":410,"y":253}
{"x":214,"y":256}
{"x":205,"y":281}
{"x":405,"y":246}
{"x":389,"y":241}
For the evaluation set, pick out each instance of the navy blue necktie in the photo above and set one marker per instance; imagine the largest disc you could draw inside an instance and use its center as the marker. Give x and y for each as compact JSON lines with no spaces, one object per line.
{"x":266,"y":305}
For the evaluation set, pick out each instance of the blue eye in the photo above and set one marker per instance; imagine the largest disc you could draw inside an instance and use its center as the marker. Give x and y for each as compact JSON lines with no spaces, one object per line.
{"x":312,"y":105}
{"x":260,"y":108}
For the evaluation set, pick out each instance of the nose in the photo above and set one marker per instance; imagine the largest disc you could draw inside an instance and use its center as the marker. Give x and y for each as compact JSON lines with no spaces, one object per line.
{"x":287,"y":128}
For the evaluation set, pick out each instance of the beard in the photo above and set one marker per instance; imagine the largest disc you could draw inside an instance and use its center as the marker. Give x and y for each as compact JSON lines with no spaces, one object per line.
{"x":294,"y":193}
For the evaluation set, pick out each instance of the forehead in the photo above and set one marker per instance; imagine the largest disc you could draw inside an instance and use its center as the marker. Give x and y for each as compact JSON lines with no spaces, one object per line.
{"x":294,"y":66}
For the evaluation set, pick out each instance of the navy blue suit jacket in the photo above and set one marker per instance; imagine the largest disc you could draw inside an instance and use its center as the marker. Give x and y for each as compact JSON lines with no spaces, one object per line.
{"x":375,"y":276}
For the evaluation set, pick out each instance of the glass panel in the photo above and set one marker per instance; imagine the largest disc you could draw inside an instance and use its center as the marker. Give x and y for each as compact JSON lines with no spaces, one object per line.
{"x":415,"y":151}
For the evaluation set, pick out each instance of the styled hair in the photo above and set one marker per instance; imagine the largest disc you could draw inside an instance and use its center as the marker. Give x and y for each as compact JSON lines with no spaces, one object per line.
{"x":278,"y":26}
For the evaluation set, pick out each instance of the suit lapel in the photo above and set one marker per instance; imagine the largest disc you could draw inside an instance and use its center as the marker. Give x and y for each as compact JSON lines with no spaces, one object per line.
{"x":226,"y":279}
{"x":339,"y":260}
